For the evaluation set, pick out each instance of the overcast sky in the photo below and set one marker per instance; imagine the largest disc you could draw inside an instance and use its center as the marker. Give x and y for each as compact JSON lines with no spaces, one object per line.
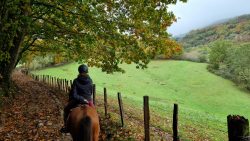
{"x":200,"y":13}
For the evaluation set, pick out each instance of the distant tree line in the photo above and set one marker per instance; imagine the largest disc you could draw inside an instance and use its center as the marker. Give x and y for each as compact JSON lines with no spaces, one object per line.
{"x":236,"y":29}
{"x":231,"y":61}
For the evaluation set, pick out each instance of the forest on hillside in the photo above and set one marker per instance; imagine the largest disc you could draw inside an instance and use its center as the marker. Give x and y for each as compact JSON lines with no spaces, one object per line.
{"x":225,"y":46}
{"x":236,"y":29}
{"x":231,"y":61}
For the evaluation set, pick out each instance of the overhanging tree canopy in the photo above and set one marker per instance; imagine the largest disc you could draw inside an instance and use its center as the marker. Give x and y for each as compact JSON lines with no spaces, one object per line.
{"x":103,"y":33}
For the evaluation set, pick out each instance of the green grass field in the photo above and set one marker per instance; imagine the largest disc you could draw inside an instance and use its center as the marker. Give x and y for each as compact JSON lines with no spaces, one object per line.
{"x":204,"y":99}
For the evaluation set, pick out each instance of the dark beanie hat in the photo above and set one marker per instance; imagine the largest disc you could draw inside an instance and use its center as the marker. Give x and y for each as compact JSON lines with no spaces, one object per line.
{"x":83,"y":69}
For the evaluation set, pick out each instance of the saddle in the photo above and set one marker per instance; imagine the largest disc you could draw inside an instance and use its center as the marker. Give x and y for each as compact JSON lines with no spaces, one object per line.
{"x":84,"y":103}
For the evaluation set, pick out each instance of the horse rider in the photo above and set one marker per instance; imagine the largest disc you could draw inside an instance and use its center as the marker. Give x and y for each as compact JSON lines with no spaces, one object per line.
{"x":80,"y":93}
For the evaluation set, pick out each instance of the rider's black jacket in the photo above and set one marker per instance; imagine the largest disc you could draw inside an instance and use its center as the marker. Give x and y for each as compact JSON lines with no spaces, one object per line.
{"x":81,"y":89}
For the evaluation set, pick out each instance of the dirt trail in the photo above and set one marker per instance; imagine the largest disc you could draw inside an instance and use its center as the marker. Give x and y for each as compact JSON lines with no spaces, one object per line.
{"x":34,"y":114}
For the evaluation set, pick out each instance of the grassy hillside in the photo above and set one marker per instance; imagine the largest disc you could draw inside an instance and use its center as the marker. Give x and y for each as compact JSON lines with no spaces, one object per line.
{"x":236,"y":29}
{"x":204,"y":98}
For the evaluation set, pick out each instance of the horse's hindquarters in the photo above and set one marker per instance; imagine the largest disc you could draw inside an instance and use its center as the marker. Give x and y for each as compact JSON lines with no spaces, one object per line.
{"x":83,"y":123}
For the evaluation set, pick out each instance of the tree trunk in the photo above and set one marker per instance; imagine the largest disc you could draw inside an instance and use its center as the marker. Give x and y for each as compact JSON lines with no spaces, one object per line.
{"x":5,"y":81}
{"x":16,"y":36}
{"x":7,"y":66}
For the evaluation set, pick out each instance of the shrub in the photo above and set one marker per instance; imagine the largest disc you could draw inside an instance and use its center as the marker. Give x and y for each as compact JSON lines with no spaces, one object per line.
{"x":238,"y":62}
{"x":218,"y":53}
{"x":231,"y":61}
{"x":203,"y":58}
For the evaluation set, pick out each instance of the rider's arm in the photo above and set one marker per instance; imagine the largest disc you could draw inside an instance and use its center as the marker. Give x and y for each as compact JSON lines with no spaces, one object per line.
{"x":76,"y":96}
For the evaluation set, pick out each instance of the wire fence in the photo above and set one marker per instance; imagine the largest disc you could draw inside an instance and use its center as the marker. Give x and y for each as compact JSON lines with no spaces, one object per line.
{"x":234,"y":126}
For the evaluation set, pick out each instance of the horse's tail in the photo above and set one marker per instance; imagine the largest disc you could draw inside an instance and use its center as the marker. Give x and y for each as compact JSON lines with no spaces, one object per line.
{"x":85,"y":131}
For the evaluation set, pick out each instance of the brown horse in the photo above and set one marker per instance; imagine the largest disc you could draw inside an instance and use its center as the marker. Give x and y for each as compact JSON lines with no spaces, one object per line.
{"x":83,"y":123}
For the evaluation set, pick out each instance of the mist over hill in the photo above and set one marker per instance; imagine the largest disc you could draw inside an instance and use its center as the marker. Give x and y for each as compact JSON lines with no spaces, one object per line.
{"x":236,"y":29}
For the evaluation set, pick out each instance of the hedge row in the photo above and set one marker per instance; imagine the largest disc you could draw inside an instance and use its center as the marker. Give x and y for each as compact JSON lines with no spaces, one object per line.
{"x":232,"y":61}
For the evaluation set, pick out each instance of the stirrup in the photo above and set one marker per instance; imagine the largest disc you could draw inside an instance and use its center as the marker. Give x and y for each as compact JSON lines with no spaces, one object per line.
{"x":64,"y":130}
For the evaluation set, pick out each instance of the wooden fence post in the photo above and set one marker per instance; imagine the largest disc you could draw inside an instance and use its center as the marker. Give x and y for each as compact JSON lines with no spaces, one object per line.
{"x":121,"y":108}
{"x":175,"y":123}
{"x":71,"y":83}
{"x":146,"y":118}
{"x":53,"y":82}
{"x":67,"y":82}
{"x":65,"y":85}
{"x":61,"y":82}
{"x":58,"y":83}
{"x":49,"y":80}
{"x":94,"y":93}
{"x":105,"y":102}
{"x":238,"y":128}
